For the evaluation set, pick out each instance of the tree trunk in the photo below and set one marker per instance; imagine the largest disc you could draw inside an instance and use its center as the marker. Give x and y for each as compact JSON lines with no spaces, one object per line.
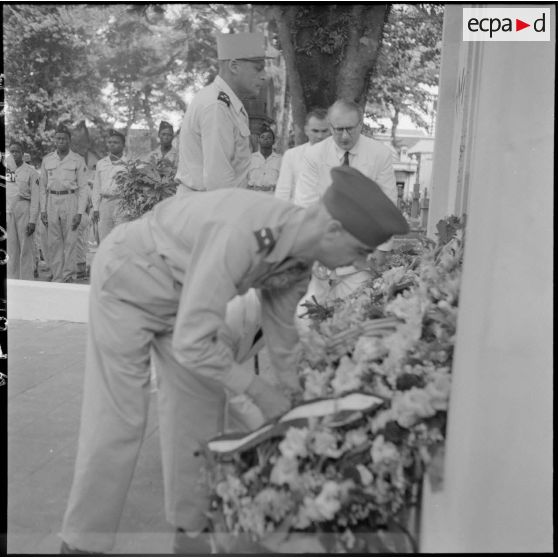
{"x":285,"y":16}
{"x":361,"y":52}
{"x":146,"y":106}
{"x":330,"y":51}
{"x":394,"y":124}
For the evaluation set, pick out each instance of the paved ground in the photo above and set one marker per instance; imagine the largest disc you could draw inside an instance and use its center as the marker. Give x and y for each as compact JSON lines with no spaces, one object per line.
{"x":44,"y":399}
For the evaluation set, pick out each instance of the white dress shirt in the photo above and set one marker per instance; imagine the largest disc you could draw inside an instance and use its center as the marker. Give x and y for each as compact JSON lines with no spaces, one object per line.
{"x":291,"y":167}
{"x":369,"y":156}
{"x":214,"y":143}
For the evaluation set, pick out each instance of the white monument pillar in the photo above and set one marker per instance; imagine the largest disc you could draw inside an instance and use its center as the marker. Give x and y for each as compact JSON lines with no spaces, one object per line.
{"x":497,"y":494}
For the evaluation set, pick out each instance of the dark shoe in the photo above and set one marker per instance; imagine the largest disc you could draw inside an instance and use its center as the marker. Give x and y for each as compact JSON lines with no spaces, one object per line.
{"x":191,"y":546}
{"x":65,"y":548}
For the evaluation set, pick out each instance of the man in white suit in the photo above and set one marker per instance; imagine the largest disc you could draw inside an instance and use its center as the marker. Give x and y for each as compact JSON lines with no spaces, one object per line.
{"x":346,"y":146}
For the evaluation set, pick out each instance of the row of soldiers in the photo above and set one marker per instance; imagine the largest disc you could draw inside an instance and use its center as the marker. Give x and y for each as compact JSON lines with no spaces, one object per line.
{"x":49,"y":211}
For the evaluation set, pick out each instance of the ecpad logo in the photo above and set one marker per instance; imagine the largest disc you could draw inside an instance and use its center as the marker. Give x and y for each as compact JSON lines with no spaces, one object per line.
{"x":506,"y":24}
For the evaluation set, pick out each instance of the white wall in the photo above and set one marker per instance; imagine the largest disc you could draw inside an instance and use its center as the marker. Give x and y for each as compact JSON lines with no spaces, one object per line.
{"x":39,"y":300}
{"x":498,"y":487}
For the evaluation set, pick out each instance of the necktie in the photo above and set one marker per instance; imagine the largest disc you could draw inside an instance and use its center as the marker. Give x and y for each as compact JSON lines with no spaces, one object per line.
{"x":346,"y":159}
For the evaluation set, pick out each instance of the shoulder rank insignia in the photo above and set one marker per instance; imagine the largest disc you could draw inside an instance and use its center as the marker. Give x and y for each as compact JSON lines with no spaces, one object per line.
{"x":265,"y":240}
{"x":224,"y":97}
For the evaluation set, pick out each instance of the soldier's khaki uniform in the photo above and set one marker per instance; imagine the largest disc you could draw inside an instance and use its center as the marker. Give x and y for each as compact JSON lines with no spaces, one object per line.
{"x":63,"y":190}
{"x":163,"y":282}
{"x":214,"y":147}
{"x":22,"y":208}
{"x":105,"y":198}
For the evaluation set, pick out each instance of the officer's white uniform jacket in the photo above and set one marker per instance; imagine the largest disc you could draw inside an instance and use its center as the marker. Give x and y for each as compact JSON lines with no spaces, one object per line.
{"x":218,"y":245}
{"x":291,"y":167}
{"x":69,"y":173}
{"x":22,"y":182}
{"x":214,"y":143}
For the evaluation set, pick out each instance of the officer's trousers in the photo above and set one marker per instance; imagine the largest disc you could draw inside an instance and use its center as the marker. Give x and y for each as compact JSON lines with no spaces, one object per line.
{"x":132,"y":308}
{"x":110,"y":215}
{"x":21,"y":262}
{"x":82,"y":238}
{"x":61,"y":238}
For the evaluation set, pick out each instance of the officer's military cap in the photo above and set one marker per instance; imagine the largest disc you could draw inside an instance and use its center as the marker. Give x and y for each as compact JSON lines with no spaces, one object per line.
{"x":165,"y":125}
{"x":362,"y":207}
{"x":117,"y":134}
{"x":241,"y":45}
{"x":63,"y":129}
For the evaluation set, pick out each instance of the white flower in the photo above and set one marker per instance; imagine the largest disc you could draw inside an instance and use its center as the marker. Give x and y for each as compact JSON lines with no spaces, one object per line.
{"x":347,"y":376}
{"x":411,"y":405}
{"x":438,"y":388}
{"x":294,"y":443}
{"x":366,"y":477}
{"x":355,"y":438}
{"x":285,"y":471}
{"x":308,"y":513}
{"x":368,"y":348}
{"x":383,"y":451}
{"x":323,"y":442}
{"x":316,"y":382}
{"x":327,"y":502}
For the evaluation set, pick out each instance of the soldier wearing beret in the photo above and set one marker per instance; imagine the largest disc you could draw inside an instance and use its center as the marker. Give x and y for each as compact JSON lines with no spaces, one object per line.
{"x":166,"y":152}
{"x":214,"y":147}
{"x":105,"y":199}
{"x":63,"y":199}
{"x":162,"y":285}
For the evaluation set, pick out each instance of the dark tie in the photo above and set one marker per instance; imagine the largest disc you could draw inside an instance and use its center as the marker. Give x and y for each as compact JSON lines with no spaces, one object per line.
{"x":346,"y":159}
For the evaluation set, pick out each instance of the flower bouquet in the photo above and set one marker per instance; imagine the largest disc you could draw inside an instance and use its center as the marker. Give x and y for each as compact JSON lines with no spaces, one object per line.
{"x":342,"y":471}
{"x":142,"y":185}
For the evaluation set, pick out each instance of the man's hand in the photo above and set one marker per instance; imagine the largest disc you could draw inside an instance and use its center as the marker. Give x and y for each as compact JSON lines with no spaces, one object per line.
{"x":268,"y":398}
{"x":95,"y":217}
{"x":76,"y":220}
{"x":30,"y":229}
{"x":44,"y":218}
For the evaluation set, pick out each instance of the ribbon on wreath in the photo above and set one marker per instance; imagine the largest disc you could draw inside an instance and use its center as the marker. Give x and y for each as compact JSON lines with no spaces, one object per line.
{"x":341,"y":410}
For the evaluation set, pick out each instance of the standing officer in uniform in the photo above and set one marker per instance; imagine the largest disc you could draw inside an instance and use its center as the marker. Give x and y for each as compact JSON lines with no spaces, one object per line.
{"x":22,"y":208}
{"x":162,"y":284}
{"x":214,"y":145}
{"x":105,"y":199}
{"x":63,"y":193}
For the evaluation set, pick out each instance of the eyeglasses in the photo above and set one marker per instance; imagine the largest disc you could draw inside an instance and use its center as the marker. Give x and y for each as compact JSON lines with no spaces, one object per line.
{"x":348,"y":129}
